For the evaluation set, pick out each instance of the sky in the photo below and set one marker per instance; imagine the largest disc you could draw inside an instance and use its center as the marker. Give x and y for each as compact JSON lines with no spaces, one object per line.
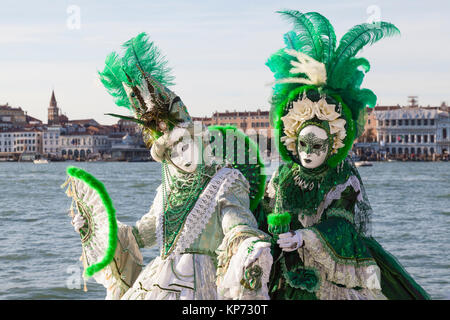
{"x":216,"y":49}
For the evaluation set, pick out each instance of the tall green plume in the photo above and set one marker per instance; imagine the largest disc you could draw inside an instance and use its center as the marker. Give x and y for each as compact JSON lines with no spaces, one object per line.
{"x":325,"y":32}
{"x":358,"y":37}
{"x":112,"y":77}
{"x":308,"y":40}
{"x":142,"y":55}
{"x":314,"y":35}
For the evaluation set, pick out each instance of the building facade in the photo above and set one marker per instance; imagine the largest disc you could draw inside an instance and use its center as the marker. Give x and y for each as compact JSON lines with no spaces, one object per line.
{"x":413,"y":131}
{"x":83,"y":145}
{"x":15,"y":117}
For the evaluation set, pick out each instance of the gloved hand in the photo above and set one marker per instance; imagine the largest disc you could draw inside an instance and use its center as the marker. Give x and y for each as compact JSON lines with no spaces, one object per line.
{"x":258,"y":248}
{"x":290,"y":241}
{"x":78,"y":222}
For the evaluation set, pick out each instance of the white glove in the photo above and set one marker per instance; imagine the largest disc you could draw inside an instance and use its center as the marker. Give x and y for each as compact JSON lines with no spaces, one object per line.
{"x":78,"y":222}
{"x":258,"y":248}
{"x":290,"y":241}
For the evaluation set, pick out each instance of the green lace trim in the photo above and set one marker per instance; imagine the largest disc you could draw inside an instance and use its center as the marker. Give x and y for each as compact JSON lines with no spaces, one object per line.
{"x":342,"y":243}
{"x":341,"y":213}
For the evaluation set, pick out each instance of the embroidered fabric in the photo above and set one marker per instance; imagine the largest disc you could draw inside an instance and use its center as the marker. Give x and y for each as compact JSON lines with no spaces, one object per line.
{"x":230,"y":286}
{"x":351,"y":275}
{"x":203,"y":209}
{"x":178,"y":277}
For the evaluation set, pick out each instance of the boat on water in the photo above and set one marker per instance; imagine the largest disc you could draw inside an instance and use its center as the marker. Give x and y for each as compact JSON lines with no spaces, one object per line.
{"x":363,"y":164}
{"x":40,"y":161}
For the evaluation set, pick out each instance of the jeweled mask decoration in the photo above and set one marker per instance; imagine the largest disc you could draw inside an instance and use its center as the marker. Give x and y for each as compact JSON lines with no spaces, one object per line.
{"x":312,"y":146}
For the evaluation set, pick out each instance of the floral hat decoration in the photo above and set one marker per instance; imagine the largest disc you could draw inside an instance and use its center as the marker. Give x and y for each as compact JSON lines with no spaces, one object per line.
{"x":317,"y":81}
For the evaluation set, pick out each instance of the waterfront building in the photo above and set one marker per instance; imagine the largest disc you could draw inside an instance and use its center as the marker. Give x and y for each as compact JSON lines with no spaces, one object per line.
{"x":27,"y":141}
{"x":16,"y":143}
{"x":50,"y":141}
{"x":248,"y":121}
{"x":129,"y":149}
{"x":15,"y":117}
{"x":6,"y":142}
{"x":413,"y":131}
{"x":367,"y":145}
{"x":82,"y":145}
{"x":256,"y":124}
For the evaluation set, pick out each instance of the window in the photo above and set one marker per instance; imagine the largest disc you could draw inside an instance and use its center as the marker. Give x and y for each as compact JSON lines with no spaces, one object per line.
{"x":412,"y":138}
{"x":394,"y":122}
{"x":406,"y":122}
{"x":386,"y":122}
{"x":425,"y":122}
{"x":444,"y":133}
{"x":406,"y":138}
{"x":419,"y":138}
{"x":413,"y":122}
{"x":392,"y":139}
{"x":425,"y":138}
{"x":419,"y":122}
{"x":431,"y":122}
{"x":432,"y":138}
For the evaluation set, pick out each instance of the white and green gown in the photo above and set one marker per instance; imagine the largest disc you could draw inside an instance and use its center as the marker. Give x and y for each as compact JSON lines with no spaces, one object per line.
{"x":200,"y":256}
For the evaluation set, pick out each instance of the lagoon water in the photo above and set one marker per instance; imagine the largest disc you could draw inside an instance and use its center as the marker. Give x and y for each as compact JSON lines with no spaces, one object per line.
{"x":39,"y":250}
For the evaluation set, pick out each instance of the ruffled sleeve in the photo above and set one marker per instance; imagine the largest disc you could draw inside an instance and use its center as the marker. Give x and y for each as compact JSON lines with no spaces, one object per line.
{"x":145,"y":229}
{"x":241,"y":234}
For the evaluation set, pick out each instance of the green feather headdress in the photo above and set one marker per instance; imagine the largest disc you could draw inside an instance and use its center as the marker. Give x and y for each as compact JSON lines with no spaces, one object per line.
{"x":314,"y":65}
{"x":138,"y":81}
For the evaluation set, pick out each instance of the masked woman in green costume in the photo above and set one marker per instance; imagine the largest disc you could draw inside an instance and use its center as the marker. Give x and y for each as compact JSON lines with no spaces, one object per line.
{"x":201,"y":218}
{"x":316,"y":207}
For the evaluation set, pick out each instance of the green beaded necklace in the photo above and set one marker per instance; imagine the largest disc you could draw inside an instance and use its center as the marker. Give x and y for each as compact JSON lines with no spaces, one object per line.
{"x":316,"y":183}
{"x":184,"y":192}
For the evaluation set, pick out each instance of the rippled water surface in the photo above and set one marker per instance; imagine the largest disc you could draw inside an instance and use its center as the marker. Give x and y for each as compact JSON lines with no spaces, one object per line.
{"x":39,"y":251}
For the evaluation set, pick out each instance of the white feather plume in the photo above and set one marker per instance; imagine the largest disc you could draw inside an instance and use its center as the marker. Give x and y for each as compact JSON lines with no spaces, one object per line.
{"x":313,"y":69}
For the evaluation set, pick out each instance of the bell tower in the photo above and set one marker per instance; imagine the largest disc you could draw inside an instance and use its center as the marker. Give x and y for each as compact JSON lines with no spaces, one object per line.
{"x":53,"y":111}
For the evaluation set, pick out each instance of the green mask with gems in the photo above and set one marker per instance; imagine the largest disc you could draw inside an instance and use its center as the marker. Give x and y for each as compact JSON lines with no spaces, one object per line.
{"x":313,"y":145}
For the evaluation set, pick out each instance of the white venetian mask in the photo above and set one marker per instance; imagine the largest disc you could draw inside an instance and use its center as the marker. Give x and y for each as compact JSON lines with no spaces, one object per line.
{"x":184,"y":153}
{"x":312,"y":146}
